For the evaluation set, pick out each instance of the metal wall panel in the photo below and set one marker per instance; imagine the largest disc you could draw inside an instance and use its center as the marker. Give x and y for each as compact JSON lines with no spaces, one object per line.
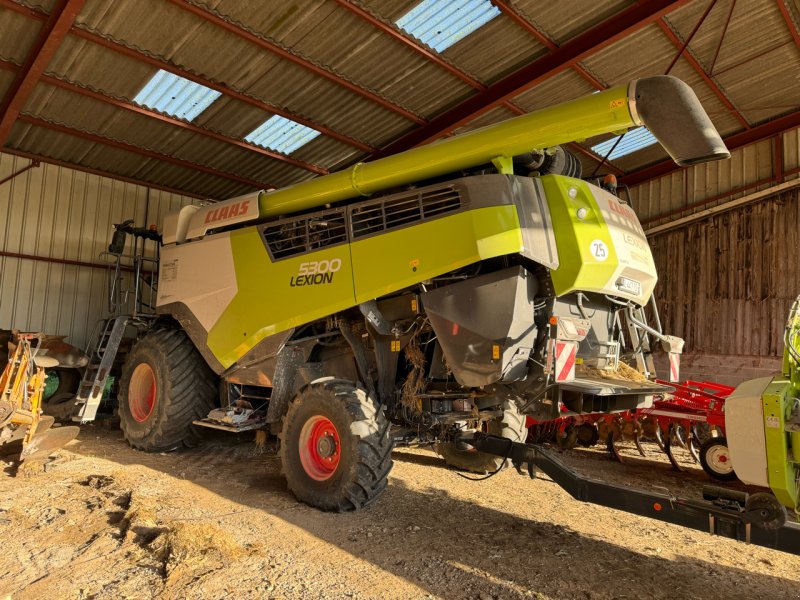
{"x":55,"y":212}
{"x":791,"y":153}
{"x":689,"y":190}
{"x":726,"y":282}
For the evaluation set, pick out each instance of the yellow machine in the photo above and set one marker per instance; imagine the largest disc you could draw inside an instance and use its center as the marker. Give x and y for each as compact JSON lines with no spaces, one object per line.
{"x":21,"y":420}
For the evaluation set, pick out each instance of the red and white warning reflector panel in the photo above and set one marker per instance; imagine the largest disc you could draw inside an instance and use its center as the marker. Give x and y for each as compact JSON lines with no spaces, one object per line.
{"x":565,"y":360}
{"x":674,"y":367}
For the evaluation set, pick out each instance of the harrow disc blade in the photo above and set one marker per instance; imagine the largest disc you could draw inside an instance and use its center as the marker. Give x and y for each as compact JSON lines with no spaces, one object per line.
{"x":612,"y":448}
{"x":13,"y":443}
{"x":45,"y":443}
{"x":668,"y":444}
{"x":650,"y":427}
{"x":638,"y":441}
{"x":694,"y":448}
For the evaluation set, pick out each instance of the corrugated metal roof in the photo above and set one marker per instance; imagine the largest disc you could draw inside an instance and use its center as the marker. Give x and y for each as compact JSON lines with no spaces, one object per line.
{"x":563,"y":87}
{"x":6,"y":79}
{"x":768,"y":86}
{"x":755,"y":26}
{"x":565,"y":19}
{"x":496,"y":49}
{"x":19,"y":34}
{"x":757,"y":68}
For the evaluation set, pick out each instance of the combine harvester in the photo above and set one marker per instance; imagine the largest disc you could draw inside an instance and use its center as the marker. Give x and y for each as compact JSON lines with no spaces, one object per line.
{"x":438,"y":296}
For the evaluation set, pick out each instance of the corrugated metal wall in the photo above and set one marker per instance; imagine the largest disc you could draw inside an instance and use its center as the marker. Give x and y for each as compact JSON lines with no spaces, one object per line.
{"x":60,"y":213}
{"x":750,"y":169}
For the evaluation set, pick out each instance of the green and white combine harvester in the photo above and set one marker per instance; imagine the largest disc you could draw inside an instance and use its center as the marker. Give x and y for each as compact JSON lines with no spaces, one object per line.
{"x":437,"y":296}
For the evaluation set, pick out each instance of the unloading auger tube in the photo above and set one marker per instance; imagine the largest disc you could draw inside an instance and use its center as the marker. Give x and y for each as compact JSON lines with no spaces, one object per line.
{"x":667,"y":106}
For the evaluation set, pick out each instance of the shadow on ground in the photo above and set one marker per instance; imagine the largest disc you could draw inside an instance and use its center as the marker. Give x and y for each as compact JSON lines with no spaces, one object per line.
{"x":418,"y":526}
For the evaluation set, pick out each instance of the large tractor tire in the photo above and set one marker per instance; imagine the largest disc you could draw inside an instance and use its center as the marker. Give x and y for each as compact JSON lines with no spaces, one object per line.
{"x":165,"y":385}
{"x":511,"y":427}
{"x":336,"y":446}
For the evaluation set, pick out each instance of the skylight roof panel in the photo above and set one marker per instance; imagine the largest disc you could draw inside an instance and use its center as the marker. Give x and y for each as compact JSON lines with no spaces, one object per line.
{"x":634,"y":140}
{"x":441,"y":23}
{"x":176,"y":96}
{"x":281,"y":134}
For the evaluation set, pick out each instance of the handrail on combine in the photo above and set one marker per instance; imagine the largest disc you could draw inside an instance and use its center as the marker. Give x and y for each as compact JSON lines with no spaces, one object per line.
{"x":137,"y":262}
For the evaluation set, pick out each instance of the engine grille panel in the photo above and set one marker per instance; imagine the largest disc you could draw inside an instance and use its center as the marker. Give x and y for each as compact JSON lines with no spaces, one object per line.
{"x":290,"y":237}
{"x":383,"y":214}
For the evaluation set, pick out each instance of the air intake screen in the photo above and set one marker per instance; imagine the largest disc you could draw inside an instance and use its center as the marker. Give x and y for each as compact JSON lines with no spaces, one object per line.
{"x":391,"y":213}
{"x":305,"y":234}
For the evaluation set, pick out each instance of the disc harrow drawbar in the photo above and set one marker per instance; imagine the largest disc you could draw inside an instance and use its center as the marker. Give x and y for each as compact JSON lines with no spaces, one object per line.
{"x":731,"y":515}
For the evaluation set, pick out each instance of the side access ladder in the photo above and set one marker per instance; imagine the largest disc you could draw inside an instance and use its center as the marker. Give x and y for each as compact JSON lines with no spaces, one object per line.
{"x":101,"y":359}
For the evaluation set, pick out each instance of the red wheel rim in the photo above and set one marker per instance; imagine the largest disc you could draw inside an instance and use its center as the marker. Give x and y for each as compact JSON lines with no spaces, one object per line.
{"x":320,"y":449}
{"x":142,"y":392}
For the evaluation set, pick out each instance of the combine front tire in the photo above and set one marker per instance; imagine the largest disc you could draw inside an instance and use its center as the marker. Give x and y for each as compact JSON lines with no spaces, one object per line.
{"x":511,"y":426}
{"x":336,"y":446}
{"x":165,"y":385}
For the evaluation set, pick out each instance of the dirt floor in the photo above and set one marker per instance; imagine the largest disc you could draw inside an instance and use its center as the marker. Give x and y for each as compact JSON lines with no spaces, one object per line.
{"x":106,"y":521}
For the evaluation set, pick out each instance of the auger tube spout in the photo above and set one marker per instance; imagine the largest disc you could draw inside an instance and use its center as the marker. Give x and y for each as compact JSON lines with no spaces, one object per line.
{"x":665,"y":104}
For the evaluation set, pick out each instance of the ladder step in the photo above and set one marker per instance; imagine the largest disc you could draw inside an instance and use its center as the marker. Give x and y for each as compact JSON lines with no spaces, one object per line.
{"x":103,"y":354}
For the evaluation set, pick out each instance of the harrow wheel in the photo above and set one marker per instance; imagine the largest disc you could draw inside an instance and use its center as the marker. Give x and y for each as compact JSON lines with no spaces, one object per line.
{"x":587,"y":434}
{"x":567,"y":439}
{"x":716,"y":459}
